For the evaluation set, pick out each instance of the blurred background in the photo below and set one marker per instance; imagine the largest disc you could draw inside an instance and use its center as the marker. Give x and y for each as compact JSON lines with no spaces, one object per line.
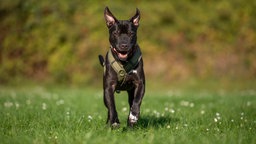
{"x":182,"y":41}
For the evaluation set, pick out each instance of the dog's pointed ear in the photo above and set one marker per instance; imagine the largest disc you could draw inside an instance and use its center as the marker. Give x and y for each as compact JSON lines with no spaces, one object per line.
{"x":136,"y":18}
{"x":109,"y":17}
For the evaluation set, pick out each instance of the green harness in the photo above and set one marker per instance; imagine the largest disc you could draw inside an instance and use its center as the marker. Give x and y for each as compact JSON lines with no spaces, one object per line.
{"x":123,"y":70}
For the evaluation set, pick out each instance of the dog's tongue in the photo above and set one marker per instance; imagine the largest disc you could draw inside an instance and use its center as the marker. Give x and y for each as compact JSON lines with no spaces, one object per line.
{"x":122,"y":56}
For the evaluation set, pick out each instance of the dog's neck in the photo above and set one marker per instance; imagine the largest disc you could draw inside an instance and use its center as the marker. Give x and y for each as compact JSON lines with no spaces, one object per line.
{"x":125,"y":67}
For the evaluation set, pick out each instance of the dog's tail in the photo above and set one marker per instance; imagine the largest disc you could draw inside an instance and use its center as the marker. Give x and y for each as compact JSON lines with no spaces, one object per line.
{"x":101,"y":59}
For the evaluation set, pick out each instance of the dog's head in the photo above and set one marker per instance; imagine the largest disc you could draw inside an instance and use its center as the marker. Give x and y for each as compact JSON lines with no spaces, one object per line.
{"x":122,"y":34}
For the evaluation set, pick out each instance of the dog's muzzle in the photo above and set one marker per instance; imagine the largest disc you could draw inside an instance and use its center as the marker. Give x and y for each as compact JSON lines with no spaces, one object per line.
{"x":122,"y":55}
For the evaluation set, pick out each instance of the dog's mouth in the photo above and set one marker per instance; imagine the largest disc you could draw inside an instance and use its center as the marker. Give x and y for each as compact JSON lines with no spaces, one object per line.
{"x":122,"y":55}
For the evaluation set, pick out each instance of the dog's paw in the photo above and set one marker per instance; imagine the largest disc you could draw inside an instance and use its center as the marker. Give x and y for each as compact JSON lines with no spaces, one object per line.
{"x":115,"y":125}
{"x":132,"y":118}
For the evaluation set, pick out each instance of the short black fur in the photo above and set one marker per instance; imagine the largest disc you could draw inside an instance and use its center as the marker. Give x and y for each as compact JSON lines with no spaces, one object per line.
{"x":123,"y":44}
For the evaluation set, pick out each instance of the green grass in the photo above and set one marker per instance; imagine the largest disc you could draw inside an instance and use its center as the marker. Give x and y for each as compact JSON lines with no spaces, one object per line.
{"x":72,"y":115}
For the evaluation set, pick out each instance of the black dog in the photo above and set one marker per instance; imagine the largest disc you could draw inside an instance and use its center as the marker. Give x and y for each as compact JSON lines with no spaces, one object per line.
{"x":123,"y":67}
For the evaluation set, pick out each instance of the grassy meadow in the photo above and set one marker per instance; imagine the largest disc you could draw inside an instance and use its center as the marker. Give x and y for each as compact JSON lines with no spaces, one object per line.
{"x":55,"y":45}
{"x":38,"y":114}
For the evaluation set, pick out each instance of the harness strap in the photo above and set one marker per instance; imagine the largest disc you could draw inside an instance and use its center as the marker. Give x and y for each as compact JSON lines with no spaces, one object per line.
{"x":119,"y":69}
{"x":123,"y":70}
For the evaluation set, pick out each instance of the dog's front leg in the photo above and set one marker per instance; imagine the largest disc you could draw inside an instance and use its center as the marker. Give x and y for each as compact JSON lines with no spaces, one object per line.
{"x":109,"y":101}
{"x":136,"y":102}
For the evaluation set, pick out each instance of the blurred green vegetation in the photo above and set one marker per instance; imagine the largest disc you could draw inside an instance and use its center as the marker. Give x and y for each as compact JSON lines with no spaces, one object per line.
{"x":59,"y":41}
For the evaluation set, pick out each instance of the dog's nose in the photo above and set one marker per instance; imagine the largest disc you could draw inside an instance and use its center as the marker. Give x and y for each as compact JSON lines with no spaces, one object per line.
{"x":124,"y":46}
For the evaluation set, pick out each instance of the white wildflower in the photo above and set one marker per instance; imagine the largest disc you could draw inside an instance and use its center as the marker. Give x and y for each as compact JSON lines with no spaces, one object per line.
{"x":217,"y":117}
{"x":242,"y":116}
{"x":44,"y":106}
{"x":171,"y":110}
{"x":124,"y":109}
{"x":202,"y":112}
{"x":17,"y":105}
{"x":156,"y":113}
{"x":184,"y":103}
{"x":89,"y":118}
{"x":248,"y":103}
{"x":191,"y":104}
{"x":68,"y":115}
{"x":8,"y":104}
{"x":60,"y":102}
